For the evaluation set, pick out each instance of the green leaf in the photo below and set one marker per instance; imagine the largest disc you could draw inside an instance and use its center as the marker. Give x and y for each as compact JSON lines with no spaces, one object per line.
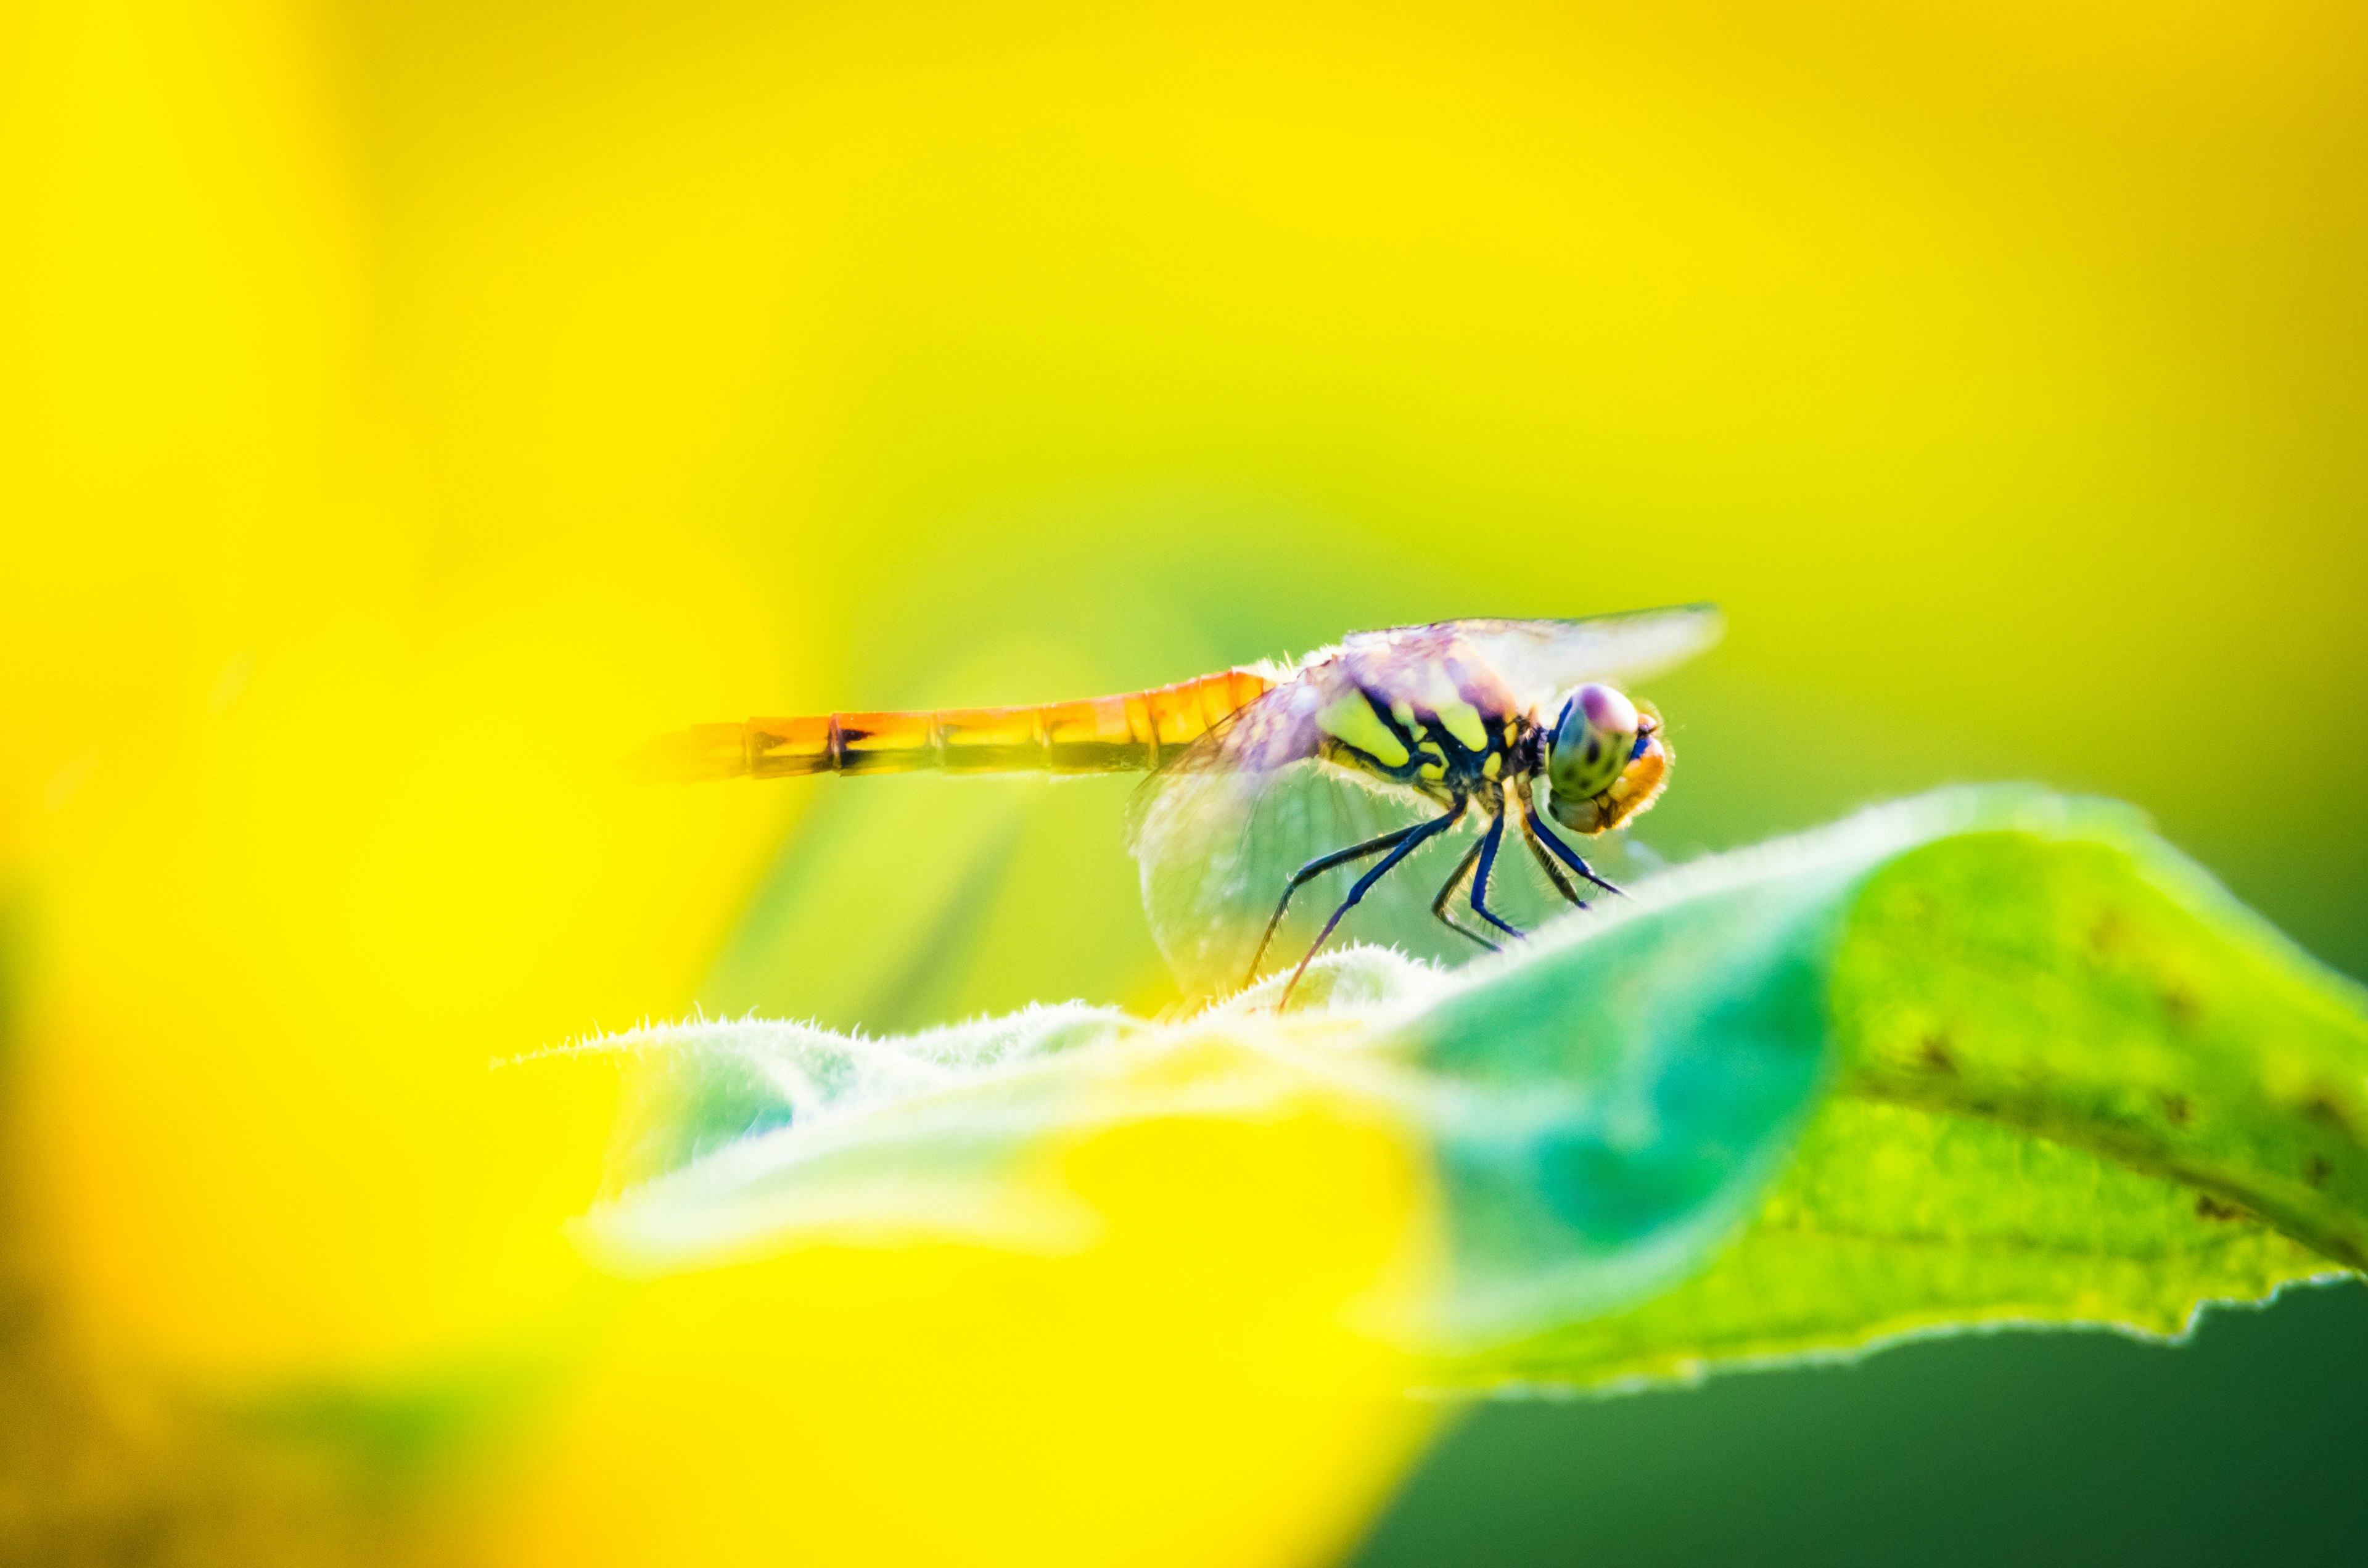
{"x":1978,"y":1058}
{"x":2106,"y":996}
{"x":1893,"y":1223}
{"x":2079,"y":1084}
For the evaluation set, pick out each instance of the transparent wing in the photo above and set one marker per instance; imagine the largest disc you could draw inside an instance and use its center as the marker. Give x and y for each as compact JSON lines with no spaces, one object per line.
{"x":1217,"y":848}
{"x":1537,"y":661}
{"x":1190,"y":829}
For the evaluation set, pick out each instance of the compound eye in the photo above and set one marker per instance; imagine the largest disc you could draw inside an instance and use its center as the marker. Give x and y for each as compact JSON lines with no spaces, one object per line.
{"x":1607,"y":712}
{"x":1595,"y":739}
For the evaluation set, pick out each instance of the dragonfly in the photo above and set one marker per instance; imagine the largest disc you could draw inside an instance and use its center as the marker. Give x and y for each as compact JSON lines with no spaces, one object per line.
{"x":1412,"y":733}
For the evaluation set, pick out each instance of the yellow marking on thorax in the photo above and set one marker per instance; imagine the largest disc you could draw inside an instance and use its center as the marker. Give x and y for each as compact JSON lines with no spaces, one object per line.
{"x":1458,"y":717}
{"x":1350,"y":719}
{"x":1463,"y":721}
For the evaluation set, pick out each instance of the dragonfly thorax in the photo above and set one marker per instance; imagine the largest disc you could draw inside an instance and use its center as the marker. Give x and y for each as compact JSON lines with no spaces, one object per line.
{"x":1448,"y":749}
{"x":1605,"y":760}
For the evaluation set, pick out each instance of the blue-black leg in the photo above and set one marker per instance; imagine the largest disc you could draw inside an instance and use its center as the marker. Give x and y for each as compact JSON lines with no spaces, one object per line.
{"x":1570,"y":856}
{"x":1488,"y":843}
{"x":1546,"y":862}
{"x":1447,"y":893}
{"x":1316,"y":867}
{"x":1411,"y":839}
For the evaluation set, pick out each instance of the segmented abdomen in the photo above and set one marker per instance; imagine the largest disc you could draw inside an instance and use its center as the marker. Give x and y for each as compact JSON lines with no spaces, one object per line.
{"x":1102,"y":735}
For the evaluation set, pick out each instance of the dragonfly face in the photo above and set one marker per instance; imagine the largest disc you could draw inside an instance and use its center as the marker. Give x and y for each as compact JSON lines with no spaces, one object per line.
{"x":1606,"y":760}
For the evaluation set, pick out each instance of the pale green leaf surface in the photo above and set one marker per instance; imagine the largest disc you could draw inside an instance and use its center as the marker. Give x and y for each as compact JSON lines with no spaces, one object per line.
{"x":2074,"y":1072}
{"x":1892,"y":1223}
{"x":1981,"y":1057}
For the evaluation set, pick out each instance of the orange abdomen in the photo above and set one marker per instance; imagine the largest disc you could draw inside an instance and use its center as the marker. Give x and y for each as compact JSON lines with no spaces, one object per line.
{"x":1102,"y":735}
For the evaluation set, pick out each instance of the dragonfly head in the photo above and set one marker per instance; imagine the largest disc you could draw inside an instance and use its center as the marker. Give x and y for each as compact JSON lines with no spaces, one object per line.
{"x":1605,"y":761}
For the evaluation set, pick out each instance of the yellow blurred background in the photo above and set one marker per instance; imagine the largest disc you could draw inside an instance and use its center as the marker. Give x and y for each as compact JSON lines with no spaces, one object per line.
{"x":406,"y":410}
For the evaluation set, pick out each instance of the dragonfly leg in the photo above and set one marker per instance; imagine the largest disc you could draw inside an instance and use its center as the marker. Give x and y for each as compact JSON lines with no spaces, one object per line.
{"x":1488,"y":843}
{"x":1316,"y":867}
{"x":1446,"y":894}
{"x":1570,"y":856}
{"x":1412,"y":839}
{"x":1546,"y":864}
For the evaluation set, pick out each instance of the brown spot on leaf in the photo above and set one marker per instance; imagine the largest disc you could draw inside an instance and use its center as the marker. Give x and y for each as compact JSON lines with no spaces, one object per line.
{"x":2323,"y":1109}
{"x":2181,"y":1007}
{"x":2109,"y":933}
{"x":2176,"y":1107}
{"x":1934,"y":1055}
{"x":2316,"y":1170}
{"x":2209,"y":1208}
